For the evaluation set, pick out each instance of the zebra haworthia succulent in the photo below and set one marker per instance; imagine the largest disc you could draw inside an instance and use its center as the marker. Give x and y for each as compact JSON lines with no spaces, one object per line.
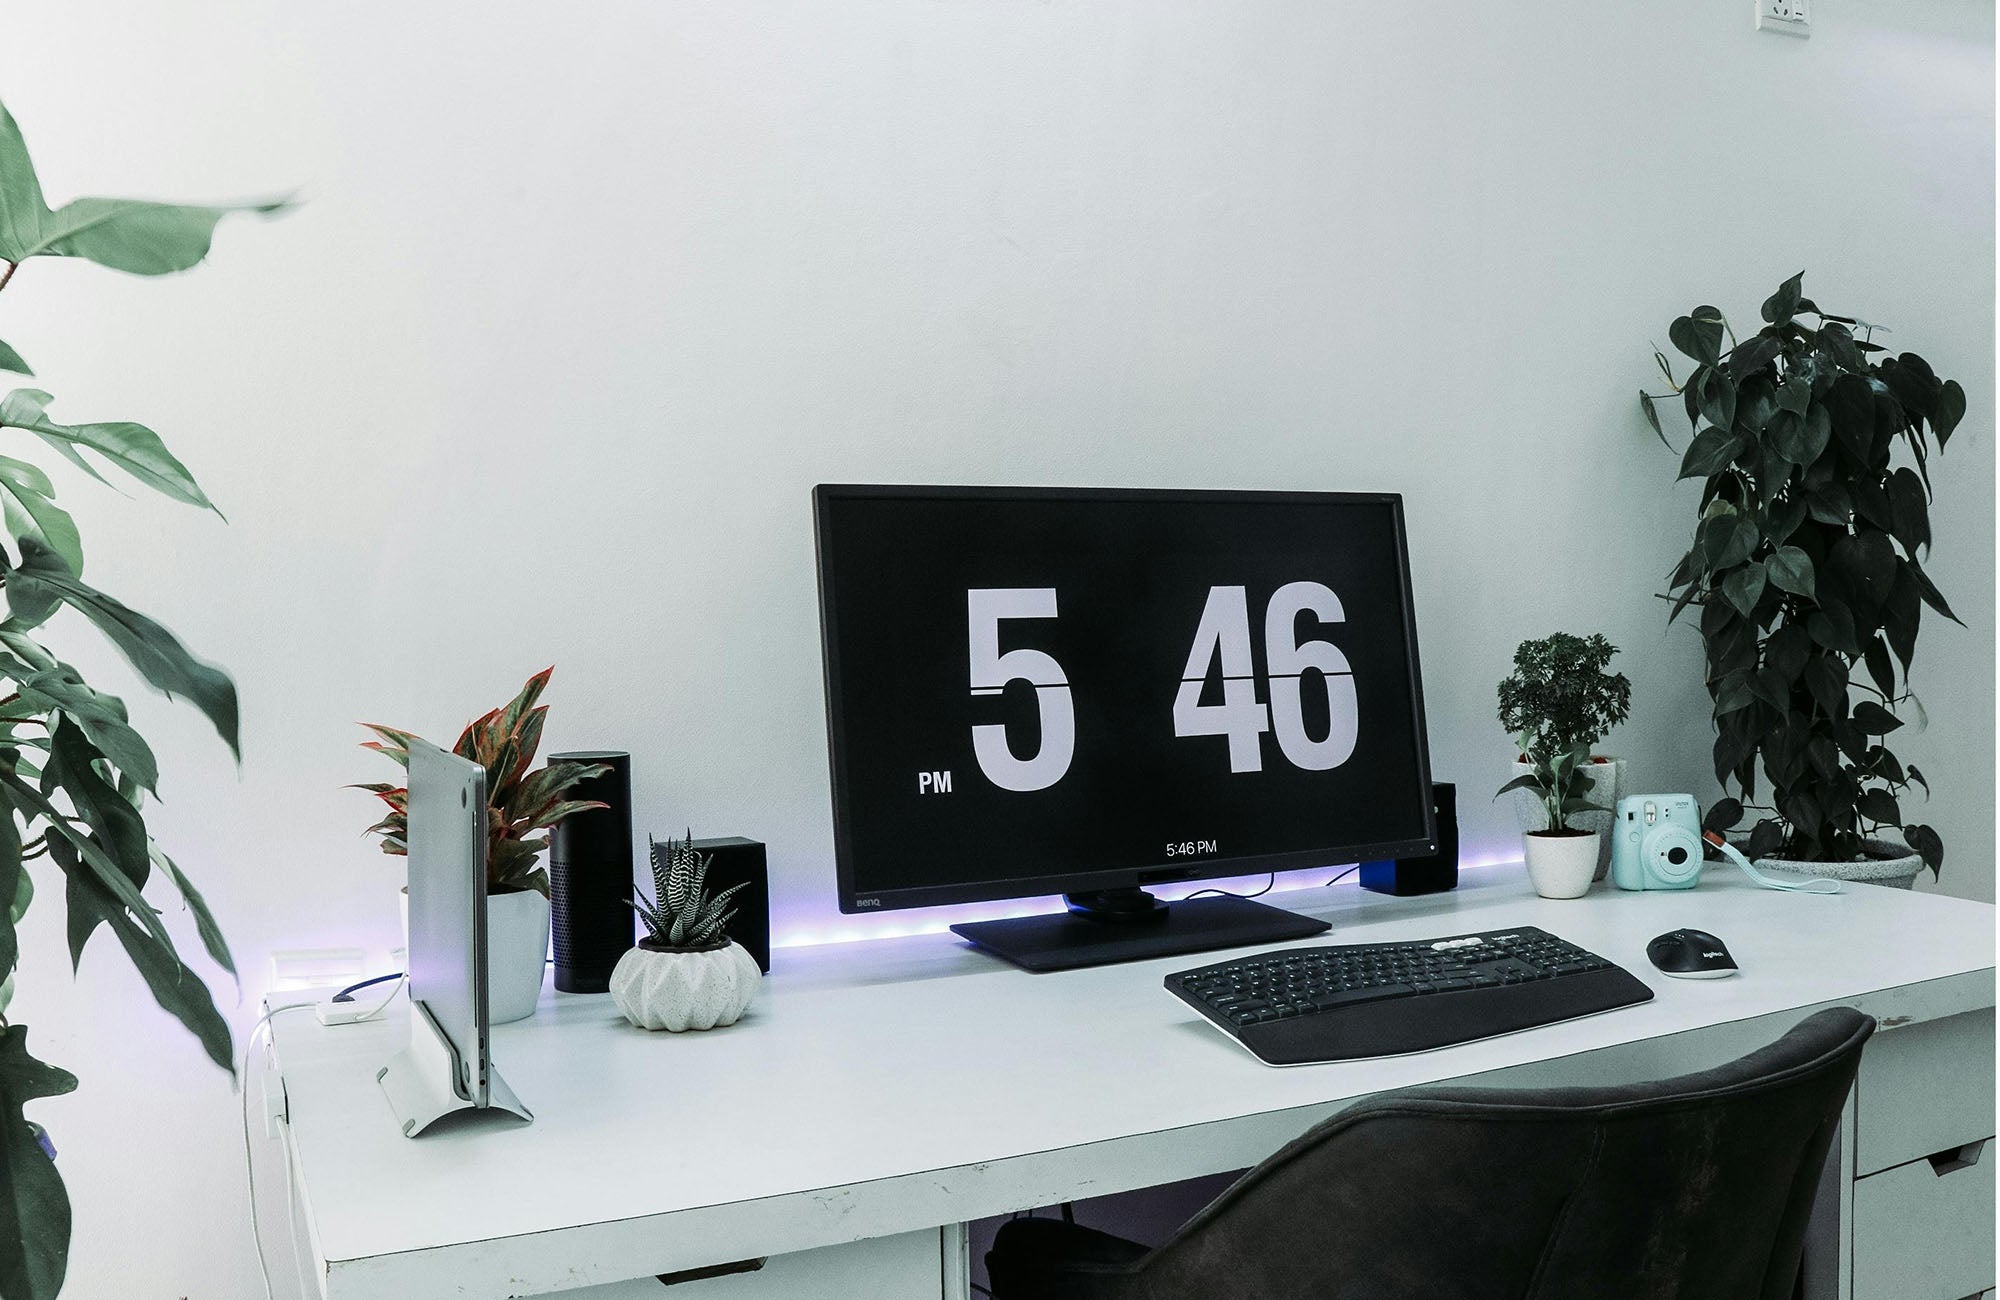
{"x":682,"y":914}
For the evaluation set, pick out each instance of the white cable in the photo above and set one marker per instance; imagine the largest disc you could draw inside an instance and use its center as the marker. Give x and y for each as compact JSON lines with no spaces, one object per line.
{"x":1817,"y":885}
{"x":249,"y":1164}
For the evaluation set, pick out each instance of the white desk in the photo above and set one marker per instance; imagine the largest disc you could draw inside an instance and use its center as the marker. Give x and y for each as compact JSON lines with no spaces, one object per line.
{"x":883,"y":1093}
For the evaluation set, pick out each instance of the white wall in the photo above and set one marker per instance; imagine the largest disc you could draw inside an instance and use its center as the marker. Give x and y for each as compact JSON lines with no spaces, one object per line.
{"x":584,"y":299}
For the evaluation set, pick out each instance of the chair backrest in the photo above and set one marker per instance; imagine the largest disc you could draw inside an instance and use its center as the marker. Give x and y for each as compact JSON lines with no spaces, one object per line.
{"x":1694,"y":1188}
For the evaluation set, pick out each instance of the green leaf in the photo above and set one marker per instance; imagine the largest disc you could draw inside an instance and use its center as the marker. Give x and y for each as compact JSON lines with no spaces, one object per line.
{"x":1710,"y":452}
{"x":1838,"y":343}
{"x":157,"y":655}
{"x":131,"y":447}
{"x":1791,"y":569}
{"x":1880,"y":668}
{"x":1753,"y":353}
{"x":1780,"y":306}
{"x":73,"y":851}
{"x":1932,"y":596}
{"x":34,"y":1208}
{"x":102,"y":717}
{"x":15,"y":888}
{"x":1832,"y":625}
{"x":1796,"y":395}
{"x":1876,"y":721}
{"x":1950,"y":409}
{"x":1909,"y":508}
{"x":11,"y":360}
{"x":204,"y":920}
{"x":1927,"y":844}
{"x":1652,"y":418}
{"x":26,"y":499}
{"x":138,"y":235}
{"x":21,"y":211}
{"x":1782,"y":521}
{"x":1851,"y":404}
{"x":1800,"y":439}
{"x":1717,"y":398}
{"x":1727,"y":540}
{"x":1698,"y":335}
{"x":1722,"y":814}
{"x":1742,"y":587}
{"x":1879,"y":806}
{"x":179,"y":991}
{"x":1785,"y":651}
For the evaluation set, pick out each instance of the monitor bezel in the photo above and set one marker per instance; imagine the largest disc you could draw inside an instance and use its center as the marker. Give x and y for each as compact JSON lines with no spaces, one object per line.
{"x":853,"y":902}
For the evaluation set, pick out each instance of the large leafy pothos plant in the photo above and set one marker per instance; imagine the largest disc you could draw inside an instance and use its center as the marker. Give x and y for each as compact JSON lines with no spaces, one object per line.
{"x":1812,"y":445}
{"x":73,"y":773}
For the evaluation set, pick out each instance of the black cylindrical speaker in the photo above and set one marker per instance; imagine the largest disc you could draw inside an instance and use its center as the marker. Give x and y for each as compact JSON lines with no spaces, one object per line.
{"x":1424,"y":875}
{"x":590,"y":877}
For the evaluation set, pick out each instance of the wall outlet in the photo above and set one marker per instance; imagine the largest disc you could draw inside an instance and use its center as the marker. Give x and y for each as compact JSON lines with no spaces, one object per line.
{"x":1793,"y":17}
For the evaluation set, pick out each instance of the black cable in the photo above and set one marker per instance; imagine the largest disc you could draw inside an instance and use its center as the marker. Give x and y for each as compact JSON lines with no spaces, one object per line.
{"x":1269,"y":880}
{"x":347,"y":994}
{"x":1345,"y":874}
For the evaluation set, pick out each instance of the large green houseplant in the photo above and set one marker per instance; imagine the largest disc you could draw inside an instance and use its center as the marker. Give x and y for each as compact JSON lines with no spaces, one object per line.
{"x":73,"y":772}
{"x":1812,"y":444}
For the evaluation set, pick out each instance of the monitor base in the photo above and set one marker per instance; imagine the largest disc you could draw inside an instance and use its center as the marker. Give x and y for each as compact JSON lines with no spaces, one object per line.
{"x":1068,"y":940}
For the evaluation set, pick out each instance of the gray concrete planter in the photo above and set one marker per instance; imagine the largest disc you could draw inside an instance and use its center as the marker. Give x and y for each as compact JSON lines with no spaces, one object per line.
{"x":1889,"y":863}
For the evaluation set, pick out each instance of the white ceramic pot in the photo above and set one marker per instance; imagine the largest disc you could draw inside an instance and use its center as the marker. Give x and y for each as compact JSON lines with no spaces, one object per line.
{"x":1888,"y":863}
{"x":1561,"y":866}
{"x":517,"y":949}
{"x":685,"y":988}
{"x":1607,"y":776}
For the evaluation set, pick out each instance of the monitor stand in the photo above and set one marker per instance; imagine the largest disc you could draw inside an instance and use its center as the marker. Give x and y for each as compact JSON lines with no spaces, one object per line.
{"x":1113,"y":925}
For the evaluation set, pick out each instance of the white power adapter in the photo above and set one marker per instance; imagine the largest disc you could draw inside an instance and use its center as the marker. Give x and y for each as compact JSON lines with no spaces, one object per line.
{"x":354,"y":1011}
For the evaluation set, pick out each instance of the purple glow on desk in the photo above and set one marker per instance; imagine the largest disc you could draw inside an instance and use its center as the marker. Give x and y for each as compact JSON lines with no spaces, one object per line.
{"x":812,"y":929}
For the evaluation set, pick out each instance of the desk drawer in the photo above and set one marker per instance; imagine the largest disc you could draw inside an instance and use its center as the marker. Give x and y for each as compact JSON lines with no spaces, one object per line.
{"x":1924,"y":1231}
{"x":1922,"y":1089}
{"x":908,"y":1266}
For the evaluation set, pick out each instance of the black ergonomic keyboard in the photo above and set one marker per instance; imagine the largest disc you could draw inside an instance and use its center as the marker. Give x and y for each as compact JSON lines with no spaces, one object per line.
{"x":1340,"y":1002}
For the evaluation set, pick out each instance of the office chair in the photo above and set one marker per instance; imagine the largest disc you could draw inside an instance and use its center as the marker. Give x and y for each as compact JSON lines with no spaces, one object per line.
{"x":1695,"y":1188}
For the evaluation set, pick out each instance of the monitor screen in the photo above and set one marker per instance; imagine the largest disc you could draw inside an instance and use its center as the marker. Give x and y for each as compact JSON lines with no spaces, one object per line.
{"x":1033,"y":691}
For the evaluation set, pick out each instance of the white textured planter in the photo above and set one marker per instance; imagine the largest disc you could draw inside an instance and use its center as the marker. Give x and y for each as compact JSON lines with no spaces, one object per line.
{"x":1889,"y":863}
{"x":517,"y":949}
{"x":1607,"y":787}
{"x":685,"y":988}
{"x":1561,"y":866}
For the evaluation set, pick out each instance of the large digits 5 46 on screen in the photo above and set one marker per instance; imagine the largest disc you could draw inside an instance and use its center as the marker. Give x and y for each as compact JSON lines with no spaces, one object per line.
{"x":1041,"y":690}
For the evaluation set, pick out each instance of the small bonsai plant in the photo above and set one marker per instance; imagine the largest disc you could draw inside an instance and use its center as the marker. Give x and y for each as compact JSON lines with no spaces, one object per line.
{"x":1559,"y":697}
{"x":1812,"y":445}
{"x":683,"y":916}
{"x":519,"y":802}
{"x":1558,"y":702}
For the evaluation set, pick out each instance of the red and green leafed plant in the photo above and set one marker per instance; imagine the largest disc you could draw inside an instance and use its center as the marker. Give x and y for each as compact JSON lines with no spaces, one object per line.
{"x":519,"y":803}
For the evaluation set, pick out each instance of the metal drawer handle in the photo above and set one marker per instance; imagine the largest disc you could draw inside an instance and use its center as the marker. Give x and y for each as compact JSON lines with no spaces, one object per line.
{"x":1945,"y":1162}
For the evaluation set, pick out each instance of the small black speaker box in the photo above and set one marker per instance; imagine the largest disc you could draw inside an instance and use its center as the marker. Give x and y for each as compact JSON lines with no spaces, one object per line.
{"x":590,"y":877}
{"x":737,"y":861}
{"x":1426,"y":875}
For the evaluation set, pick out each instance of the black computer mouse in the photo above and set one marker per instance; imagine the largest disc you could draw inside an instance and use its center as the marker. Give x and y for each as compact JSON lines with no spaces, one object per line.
{"x":1691,"y":955}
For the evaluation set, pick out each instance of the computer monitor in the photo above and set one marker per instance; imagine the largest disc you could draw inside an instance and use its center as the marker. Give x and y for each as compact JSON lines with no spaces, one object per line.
{"x":1034,"y":691}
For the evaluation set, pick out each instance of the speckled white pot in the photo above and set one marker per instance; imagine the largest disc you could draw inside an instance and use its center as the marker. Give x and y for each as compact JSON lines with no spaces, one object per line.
{"x":1889,"y":863}
{"x":688,"y":988}
{"x":1607,"y":785}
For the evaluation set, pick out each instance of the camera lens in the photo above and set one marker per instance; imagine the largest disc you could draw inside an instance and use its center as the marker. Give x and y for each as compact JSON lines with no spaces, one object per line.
{"x":1677,"y":855}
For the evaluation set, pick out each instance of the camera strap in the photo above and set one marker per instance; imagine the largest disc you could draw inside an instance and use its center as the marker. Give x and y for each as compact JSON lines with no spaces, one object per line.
{"x":1817,"y":885}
